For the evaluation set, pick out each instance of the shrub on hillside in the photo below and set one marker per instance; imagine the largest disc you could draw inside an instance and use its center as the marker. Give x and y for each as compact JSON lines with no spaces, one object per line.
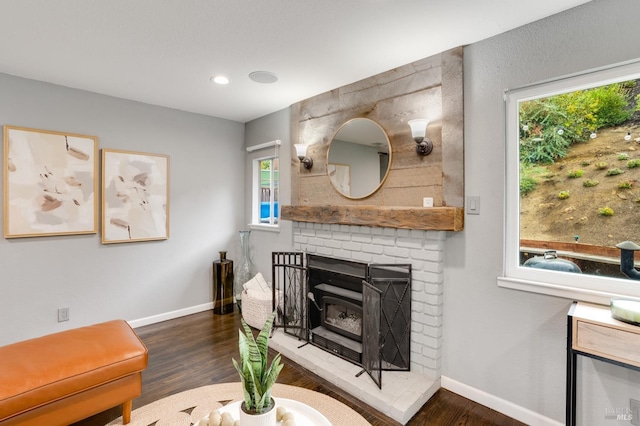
{"x":632,"y":164}
{"x":605,"y":211}
{"x":527,"y":184}
{"x":551,"y":125}
{"x":614,"y":172}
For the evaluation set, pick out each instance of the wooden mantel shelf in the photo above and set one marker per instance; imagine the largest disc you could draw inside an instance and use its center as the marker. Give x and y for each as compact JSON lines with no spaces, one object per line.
{"x":422,"y":218}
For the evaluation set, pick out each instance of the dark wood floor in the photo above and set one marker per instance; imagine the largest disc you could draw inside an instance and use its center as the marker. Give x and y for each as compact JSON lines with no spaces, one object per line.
{"x":196,"y":350}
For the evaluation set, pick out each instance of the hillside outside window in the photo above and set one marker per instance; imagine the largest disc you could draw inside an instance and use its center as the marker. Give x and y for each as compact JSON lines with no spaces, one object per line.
{"x":573,"y":183}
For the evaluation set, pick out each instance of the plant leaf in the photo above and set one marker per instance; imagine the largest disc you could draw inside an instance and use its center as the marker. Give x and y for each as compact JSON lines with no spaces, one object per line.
{"x":247,"y":396}
{"x":255,"y":354}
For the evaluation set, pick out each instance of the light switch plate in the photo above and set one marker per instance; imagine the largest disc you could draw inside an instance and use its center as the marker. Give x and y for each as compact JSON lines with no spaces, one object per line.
{"x":473,"y":205}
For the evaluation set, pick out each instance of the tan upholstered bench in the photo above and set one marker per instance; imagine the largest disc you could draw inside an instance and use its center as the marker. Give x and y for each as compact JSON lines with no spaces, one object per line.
{"x":65,"y":377}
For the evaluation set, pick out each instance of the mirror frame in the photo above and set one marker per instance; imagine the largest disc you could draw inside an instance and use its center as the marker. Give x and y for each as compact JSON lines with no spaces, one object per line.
{"x":384,"y":178}
{"x":593,"y":288}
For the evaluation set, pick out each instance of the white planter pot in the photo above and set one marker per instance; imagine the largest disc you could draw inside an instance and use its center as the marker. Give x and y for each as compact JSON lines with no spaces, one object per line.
{"x":264,"y":419}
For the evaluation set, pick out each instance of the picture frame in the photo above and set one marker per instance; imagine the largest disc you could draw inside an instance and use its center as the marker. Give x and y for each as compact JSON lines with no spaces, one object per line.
{"x":135,"y":196}
{"x":50,"y":183}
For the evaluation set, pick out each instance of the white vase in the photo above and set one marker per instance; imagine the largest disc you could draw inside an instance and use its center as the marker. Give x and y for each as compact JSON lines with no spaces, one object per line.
{"x":265,"y":419}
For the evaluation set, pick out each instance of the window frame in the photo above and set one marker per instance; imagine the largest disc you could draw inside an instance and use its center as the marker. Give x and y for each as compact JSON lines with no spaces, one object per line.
{"x":256,"y":222}
{"x":591,"y":288}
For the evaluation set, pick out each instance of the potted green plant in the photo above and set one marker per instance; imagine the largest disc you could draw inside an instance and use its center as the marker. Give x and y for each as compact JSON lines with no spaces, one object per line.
{"x":258,"y":407}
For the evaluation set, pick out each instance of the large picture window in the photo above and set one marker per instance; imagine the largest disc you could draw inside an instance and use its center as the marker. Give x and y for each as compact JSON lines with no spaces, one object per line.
{"x":573,"y":184}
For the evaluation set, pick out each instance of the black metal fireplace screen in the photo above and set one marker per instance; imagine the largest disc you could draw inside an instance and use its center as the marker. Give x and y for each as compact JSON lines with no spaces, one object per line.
{"x":360,"y":312}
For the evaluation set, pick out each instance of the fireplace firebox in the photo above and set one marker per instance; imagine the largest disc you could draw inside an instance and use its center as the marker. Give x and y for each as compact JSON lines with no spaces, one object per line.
{"x":360,"y":312}
{"x":342,"y":316}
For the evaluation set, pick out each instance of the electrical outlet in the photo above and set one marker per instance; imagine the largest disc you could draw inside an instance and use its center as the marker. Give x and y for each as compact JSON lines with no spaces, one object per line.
{"x":63,"y":314}
{"x":634,"y":406}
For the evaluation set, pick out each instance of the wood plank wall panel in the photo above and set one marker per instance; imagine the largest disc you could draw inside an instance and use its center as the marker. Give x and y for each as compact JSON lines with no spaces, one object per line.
{"x":453,"y":129}
{"x":430,"y":88}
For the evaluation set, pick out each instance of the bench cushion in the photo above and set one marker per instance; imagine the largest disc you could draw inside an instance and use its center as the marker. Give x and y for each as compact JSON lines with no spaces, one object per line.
{"x":38,"y":371}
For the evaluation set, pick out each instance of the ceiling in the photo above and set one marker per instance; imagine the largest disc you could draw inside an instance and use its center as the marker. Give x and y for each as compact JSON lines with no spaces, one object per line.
{"x":164,"y":52}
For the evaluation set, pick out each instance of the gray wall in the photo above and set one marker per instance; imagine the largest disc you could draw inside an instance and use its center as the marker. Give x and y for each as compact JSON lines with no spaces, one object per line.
{"x":507,"y":343}
{"x":133,"y":281}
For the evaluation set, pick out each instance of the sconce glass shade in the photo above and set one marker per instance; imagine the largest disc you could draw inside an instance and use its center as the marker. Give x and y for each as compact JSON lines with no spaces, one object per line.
{"x":301,"y":150}
{"x":418,"y":128}
{"x":424,"y":146}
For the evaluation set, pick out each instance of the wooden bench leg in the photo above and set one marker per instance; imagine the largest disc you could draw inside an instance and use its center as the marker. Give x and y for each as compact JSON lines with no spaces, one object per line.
{"x":126,"y":412}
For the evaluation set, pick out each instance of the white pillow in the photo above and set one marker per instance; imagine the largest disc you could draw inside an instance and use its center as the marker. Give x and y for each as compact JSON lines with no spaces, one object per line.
{"x":252,"y":284}
{"x":257,"y":283}
{"x":262,"y":282}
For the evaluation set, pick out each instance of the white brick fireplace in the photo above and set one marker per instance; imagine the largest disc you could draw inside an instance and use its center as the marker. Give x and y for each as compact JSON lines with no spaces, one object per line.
{"x":403,"y":393}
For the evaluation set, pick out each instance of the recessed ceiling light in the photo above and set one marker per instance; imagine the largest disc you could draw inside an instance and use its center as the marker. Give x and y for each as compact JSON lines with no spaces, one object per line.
{"x":264,"y":77}
{"x":220,"y":79}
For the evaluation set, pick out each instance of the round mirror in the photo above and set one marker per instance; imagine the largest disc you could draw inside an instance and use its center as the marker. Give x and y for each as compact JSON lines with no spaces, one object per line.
{"x":359,"y":158}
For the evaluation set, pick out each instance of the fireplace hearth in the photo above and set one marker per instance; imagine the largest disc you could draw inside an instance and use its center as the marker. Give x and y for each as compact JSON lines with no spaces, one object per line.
{"x":357,"y":311}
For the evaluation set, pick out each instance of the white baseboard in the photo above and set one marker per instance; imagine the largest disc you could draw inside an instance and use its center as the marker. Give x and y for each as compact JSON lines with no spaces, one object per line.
{"x":503,"y":406}
{"x":170,"y":315}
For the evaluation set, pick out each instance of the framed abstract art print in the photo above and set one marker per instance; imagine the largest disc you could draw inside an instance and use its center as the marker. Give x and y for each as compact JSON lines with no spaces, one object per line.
{"x":135,"y":196}
{"x":50,"y":183}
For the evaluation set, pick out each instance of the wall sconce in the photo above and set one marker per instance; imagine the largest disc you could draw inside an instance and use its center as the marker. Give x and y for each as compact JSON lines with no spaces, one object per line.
{"x":301,"y":152}
{"x":424,"y":146}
